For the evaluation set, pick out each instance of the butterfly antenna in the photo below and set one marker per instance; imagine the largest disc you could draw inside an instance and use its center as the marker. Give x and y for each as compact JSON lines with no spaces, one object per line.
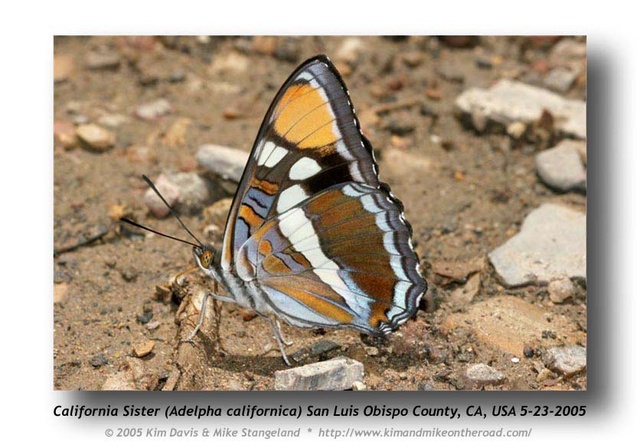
{"x":133,"y":223}
{"x":153,"y":187}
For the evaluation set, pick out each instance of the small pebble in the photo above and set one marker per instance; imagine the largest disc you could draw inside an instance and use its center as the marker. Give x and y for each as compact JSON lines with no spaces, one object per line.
{"x":152,"y":325}
{"x":372,"y":351}
{"x":544,"y":375}
{"x":233,"y":111}
{"x":481,"y":375}
{"x":177,"y":75}
{"x":102,"y":60}
{"x":560,"y":79}
{"x":516,"y":129}
{"x":484,"y":63}
{"x":451,"y":72}
{"x":60,"y":292}
{"x":358,"y":385}
{"x":65,"y":133}
{"x":231,"y":63}
{"x":169,"y":191}
{"x":234,"y":384}
{"x":400,"y":127}
{"x":349,"y":50}
{"x":560,"y":290}
{"x":144,"y":348}
{"x":122,"y":380}
{"x":154,"y":110}
{"x":567,"y":360}
{"x":80,"y":119}
{"x":112,"y":120}
{"x":129,"y":275}
{"x":98,"y":361}
{"x":412,"y":58}
{"x":95,"y":137}
{"x":433,"y":93}
{"x":64,"y":66}
{"x":145,"y":317}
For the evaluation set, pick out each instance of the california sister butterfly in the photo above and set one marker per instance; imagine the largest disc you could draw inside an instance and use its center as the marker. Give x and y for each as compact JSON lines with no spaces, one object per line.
{"x":313,"y":237}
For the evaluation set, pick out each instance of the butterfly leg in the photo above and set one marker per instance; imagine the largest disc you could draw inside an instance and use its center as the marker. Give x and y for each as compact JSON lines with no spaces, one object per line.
{"x":285,"y":342}
{"x":203,"y":309}
{"x":275,"y":325}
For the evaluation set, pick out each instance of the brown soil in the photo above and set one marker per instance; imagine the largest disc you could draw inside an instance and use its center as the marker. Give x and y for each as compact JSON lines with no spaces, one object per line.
{"x":464,"y":193}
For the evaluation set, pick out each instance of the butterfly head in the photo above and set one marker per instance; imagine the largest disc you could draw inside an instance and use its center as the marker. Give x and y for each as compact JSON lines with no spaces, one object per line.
{"x":205,"y":256}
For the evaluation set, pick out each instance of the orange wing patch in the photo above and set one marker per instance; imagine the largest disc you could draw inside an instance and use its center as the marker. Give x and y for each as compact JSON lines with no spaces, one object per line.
{"x":275,"y":266}
{"x":265,"y":248}
{"x":305,"y":118}
{"x":378,"y":314}
{"x":270,"y":188}
{"x":250,"y":216}
{"x":317,"y":296}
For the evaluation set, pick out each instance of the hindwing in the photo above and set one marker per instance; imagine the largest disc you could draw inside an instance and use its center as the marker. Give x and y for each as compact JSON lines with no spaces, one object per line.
{"x":341,"y":258}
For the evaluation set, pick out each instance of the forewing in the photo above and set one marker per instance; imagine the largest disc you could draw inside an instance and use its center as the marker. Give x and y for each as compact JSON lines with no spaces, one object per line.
{"x":309,"y":141}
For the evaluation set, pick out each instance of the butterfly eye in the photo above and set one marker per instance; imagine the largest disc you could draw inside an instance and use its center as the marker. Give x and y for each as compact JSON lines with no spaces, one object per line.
{"x":206,"y":258}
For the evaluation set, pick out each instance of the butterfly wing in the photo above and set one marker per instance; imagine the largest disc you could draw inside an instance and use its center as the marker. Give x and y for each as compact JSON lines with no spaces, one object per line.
{"x":341,"y":258}
{"x":312,"y":230}
{"x":309,"y":141}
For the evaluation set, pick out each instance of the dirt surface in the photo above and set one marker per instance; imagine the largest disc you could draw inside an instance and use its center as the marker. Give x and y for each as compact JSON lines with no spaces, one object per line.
{"x":116,"y":325}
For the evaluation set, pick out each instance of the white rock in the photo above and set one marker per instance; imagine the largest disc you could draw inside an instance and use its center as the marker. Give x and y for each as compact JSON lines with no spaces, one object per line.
{"x":508,"y":101}
{"x":122,"y":380}
{"x":336,"y":374}
{"x":349,"y":49}
{"x":102,"y":60}
{"x":95,"y":137}
{"x":483,"y":375}
{"x":551,"y":244}
{"x":561,"y":167}
{"x":233,"y":63}
{"x":194,"y":191}
{"x":567,"y":360}
{"x":569,"y":53}
{"x":560,"y":79}
{"x":153,"y":110}
{"x":113,"y":120}
{"x":228,"y":163}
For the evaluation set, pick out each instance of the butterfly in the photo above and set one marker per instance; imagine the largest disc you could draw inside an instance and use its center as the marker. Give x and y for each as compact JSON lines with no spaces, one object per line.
{"x":313,"y":237}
